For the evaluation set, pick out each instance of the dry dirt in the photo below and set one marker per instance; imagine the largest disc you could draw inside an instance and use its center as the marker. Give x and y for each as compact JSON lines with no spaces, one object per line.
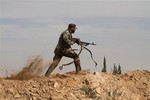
{"x":28,"y":85}
{"x":133,"y":85}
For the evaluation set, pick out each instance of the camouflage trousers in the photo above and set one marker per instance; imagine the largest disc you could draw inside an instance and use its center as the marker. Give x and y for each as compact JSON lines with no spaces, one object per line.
{"x":68,"y":52}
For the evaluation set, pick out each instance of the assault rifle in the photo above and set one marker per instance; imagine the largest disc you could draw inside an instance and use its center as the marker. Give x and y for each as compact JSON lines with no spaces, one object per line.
{"x":83,"y":46}
{"x":86,"y":43}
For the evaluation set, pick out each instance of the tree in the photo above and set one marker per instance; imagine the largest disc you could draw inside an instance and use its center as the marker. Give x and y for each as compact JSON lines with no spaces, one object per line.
{"x":115,"y":69}
{"x":119,"y":69}
{"x":104,"y":65}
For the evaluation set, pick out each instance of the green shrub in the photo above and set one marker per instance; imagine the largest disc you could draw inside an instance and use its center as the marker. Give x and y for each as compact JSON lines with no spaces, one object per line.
{"x":90,"y":92}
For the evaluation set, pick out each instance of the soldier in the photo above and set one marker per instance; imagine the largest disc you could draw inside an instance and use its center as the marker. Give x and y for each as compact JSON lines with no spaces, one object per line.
{"x":63,"y":48}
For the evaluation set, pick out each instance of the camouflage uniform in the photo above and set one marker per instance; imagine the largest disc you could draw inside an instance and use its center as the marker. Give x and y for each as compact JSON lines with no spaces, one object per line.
{"x":63,"y":48}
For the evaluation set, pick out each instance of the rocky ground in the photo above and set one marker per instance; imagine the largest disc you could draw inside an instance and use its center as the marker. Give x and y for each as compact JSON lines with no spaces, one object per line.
{"x":133,"y":85}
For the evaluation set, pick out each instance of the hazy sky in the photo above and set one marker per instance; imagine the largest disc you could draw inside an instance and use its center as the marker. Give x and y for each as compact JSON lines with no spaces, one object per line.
{"x":120,"y":28}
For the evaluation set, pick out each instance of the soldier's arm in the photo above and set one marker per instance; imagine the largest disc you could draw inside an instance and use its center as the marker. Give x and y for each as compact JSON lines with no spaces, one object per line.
{"x":67,"y":38}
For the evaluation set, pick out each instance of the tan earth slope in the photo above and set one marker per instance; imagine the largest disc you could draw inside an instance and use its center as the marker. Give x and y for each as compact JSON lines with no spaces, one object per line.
{"x":133,"y":85}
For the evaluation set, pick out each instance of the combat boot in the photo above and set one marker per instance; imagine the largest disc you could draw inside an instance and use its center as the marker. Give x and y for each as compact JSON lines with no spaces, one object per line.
{"x":77,"y":65}
{"x":52,"y":67}
{"x":49,"y":71}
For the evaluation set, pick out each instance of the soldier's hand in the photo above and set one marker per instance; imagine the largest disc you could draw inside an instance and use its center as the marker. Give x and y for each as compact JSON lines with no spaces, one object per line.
{"x":72,"y":42}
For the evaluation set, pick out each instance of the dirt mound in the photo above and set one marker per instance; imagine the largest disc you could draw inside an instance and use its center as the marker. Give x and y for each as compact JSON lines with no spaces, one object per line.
{"x":134,"y":85}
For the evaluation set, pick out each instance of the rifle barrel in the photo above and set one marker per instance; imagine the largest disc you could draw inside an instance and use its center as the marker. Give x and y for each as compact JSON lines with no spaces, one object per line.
{"x":87,"y":43}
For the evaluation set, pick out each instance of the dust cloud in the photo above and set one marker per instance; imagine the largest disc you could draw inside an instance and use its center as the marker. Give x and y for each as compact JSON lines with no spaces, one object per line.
{"x":33,"y":68}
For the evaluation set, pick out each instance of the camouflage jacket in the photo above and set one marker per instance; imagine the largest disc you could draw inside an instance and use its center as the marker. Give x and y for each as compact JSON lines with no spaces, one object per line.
{"x":64,"y":40}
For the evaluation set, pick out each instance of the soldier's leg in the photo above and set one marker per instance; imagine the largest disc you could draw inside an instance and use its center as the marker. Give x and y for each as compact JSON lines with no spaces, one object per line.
{"x":77,"y":64}
{"x":72,"y":54}
{"x":54,"y":64}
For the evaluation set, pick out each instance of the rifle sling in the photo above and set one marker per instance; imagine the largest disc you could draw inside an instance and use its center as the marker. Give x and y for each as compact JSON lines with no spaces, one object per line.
{"x":91,"y":56}
{"x":82,"y":47}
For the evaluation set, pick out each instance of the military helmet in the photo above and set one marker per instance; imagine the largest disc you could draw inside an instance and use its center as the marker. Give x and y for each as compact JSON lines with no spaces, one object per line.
{"x":72,"y":26}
